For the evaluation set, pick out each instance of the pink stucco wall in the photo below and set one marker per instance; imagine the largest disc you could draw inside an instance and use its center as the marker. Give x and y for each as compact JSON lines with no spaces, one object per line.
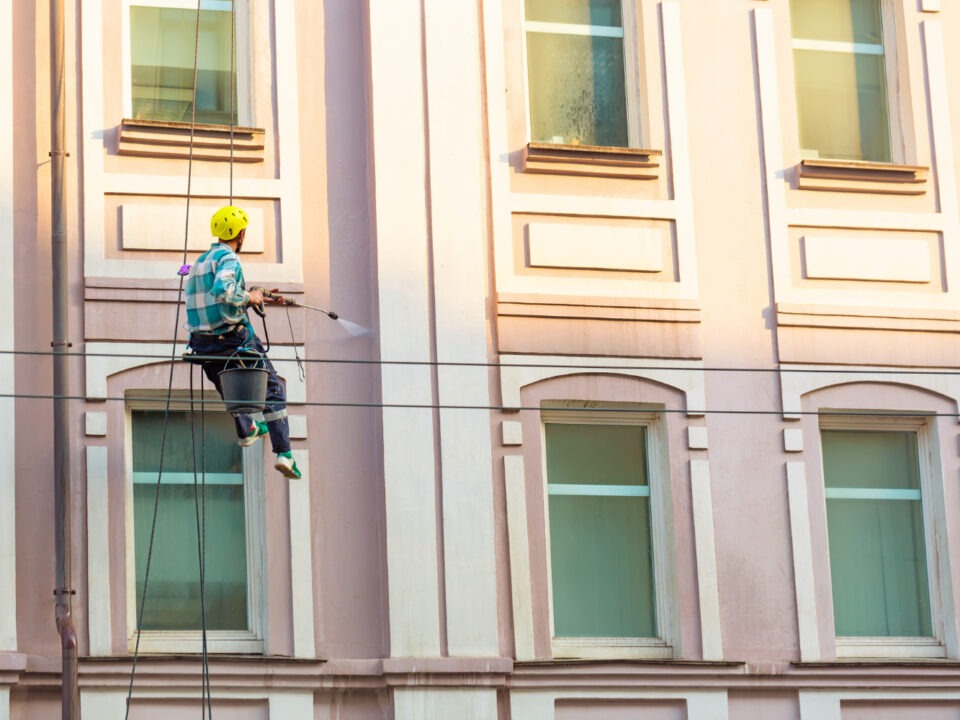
{"x":732,"y":307}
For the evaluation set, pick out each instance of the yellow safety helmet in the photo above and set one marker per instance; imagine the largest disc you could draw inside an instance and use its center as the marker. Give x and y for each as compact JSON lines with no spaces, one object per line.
{"x":227,"y":222}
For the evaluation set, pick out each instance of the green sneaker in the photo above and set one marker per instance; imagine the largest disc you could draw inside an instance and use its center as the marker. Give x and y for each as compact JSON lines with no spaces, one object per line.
{"x":258,"y":430}
{"x":287,"y":466}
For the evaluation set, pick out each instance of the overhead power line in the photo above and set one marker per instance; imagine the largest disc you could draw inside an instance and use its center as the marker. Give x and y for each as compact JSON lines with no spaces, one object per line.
{"x":851,"y":370}
{"x":161,"y":400}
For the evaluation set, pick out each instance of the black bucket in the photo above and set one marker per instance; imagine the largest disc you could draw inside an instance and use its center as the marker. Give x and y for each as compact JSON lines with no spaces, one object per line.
{"x":244,"y":389}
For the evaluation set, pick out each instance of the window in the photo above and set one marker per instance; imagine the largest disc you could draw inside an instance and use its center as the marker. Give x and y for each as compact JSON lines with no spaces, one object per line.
{"x":160,"y":43}
{"x":232,"y":512}
{"x":840,"y":50}
{"x":879,"y":534}
{"x":579,"y":92}
{"x":605,"y":570}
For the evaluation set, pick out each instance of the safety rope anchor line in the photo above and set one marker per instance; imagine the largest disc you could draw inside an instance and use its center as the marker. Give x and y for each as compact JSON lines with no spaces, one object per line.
{"x":206,"y":703}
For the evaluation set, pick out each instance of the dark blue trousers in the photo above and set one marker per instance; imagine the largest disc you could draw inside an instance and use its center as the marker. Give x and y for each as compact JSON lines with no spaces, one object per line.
{"x":226,"y":345}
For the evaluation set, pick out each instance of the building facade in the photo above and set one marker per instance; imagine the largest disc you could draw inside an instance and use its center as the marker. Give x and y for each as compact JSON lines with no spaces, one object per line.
{"x":658,"y":414}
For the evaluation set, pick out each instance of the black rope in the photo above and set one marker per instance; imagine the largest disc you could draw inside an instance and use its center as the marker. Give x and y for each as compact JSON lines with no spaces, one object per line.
{"x":301,"y":370}
{"x":166,"y":413}
{"x":200,"y":511}
{"x":266,"y":334}
{"x":233,"y":85}
{"x":153,"y":530}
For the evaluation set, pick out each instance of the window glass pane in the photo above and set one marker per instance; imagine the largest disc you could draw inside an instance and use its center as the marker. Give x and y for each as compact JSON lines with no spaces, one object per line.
{"x":842,"y":105}
{"x":577,"y":89}
{"x":601,"y":565}
{"x":173,"y":594}
{"x":576,"y":12}
{"x":210,"y":432}
{"x":601,"y":554}
{"x":837,"y":20}
{"x":161,"y":56}
{"x":596,"y":454}
{"x":877,"y":550}
{"x":870,"y":459}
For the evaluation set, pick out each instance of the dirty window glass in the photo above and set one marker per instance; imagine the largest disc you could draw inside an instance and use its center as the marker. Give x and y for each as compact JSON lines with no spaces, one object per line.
{"x":575,"y":72}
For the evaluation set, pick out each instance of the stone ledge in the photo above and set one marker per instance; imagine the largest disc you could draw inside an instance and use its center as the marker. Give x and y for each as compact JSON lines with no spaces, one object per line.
{"x":854,"y":176}
{"x":591,"y":161}
{"x":157,"y":139}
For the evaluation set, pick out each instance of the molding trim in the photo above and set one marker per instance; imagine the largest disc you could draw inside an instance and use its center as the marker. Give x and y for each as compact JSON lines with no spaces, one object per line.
{"x":106,"y":359}
{"x":519,"y":540}
{"x":679,"y":142}
{"x":591,"y":161}
{"x":457,"y":216}
{"x":99,"y":602}
{"x":611,"y":247}
{"x":803,"y":570}
{"x":146,"y":226}
{"x":706,"y":552}
{"x":285,"y":704}
{"x":792,"y":440}
{"x":771,"y":145}
{"x":697,"y":438}
{"x":540,"y":705}
{"x":819,"y":705}
{"x":518,"y":371}
{"x":8,"y":446}
{"x":152,"y":138}
{"x":865,"y":258}
{"x":795,"y":383}
{"x":301,"y":562}
{"x":397,"y":115}
{"x":466,"y":703}
{"x":826,"y":705}
{"x":95,"y":423}
{"x":938,"y":96}
{"x":863,"y":177}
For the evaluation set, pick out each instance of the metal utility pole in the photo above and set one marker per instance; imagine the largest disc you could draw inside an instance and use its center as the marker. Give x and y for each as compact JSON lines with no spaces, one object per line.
{"x":63,"y":591}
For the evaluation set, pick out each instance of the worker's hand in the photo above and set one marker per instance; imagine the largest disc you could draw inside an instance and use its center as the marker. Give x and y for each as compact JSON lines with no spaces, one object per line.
{"x":274,"y":296}
{"x":256,"y":297}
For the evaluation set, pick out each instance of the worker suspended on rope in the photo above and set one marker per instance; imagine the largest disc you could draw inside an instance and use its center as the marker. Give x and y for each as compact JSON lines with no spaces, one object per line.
{"x":217,"y":301}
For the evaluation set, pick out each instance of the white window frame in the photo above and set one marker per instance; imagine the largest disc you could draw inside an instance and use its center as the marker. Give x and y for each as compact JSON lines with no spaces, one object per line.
{"x":244,"y":50}
{"x":250,"y":641}
{"x":658,"y":478}
{"x":932,"y":505}
{"x":631,"y":60}
{"x":889,"y":20}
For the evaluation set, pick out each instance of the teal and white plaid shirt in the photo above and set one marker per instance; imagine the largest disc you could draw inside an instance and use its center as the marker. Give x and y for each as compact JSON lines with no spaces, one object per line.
{"x":216,"y":294}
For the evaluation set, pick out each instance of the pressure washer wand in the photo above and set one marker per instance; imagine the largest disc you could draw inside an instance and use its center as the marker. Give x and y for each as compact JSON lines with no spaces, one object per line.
{"x":329,"y":313}
{"x":290,"y":301}
{"x":350,"y":327}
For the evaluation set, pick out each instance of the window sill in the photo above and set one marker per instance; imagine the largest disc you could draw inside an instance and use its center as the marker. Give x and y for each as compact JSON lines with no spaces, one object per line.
{"x":861,"y":177}
{"x":883,"y":648}
{"x":591,"y":161}
{"x":159,"y":139}
{"x":190,"y":642}
{"x":611,"y":649}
